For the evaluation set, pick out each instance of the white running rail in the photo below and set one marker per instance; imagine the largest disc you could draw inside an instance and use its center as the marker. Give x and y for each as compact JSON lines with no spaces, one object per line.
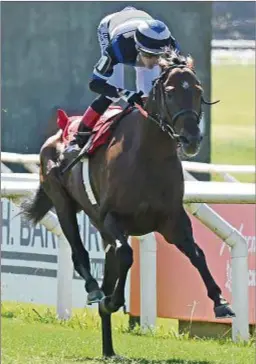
{"x":31,"y":161}
{"x":196,"y":194}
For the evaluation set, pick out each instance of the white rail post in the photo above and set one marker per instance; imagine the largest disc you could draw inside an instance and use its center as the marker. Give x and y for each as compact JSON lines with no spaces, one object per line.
{"x":233,"y":238}
{"x":64,"y":279}
{"x":148,"y":284}
{"x":239,"y":265}
{"x":65,"y":267}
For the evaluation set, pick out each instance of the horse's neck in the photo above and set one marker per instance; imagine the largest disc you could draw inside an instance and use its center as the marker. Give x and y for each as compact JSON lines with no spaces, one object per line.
{"x":153,"y":139}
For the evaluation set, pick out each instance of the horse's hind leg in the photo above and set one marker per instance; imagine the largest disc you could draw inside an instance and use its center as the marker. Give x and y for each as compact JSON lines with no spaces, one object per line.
{"x":66,"y":211}
{"x":182,"y":236}
{"x":123,"y":261}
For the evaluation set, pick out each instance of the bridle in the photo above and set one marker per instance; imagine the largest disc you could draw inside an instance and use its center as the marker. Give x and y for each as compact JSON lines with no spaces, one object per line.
{"x":160,"y":117}
{"x":159,"y":94}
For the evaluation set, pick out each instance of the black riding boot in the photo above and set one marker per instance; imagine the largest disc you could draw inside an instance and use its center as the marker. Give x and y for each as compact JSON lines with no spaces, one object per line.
{"x":80,"y":139}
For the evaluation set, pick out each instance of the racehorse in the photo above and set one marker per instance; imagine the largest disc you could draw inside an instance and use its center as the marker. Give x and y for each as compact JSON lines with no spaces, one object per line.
{"x":137,"y":181}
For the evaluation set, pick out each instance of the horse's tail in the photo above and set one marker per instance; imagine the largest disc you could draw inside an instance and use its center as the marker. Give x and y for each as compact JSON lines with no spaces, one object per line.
{"x":34,"y":210}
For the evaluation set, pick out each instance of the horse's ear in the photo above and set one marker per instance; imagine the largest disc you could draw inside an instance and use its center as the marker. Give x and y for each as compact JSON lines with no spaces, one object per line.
{"x":190,"y":62}
{"x":62,"y":119}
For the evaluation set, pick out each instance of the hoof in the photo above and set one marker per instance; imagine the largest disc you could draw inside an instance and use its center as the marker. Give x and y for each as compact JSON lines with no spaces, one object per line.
{"x":224,"y":311}
{"x":95,"y":297}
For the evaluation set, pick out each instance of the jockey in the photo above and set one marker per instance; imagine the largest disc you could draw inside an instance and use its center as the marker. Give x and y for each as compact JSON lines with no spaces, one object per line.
{"x":129,"y":37}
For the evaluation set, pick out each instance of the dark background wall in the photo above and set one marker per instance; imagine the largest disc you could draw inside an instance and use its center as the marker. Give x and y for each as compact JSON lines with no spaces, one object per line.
{"x":49,"y":50}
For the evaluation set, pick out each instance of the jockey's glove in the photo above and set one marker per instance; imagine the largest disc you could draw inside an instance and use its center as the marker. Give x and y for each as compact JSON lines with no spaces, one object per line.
{"x":132,"y":97}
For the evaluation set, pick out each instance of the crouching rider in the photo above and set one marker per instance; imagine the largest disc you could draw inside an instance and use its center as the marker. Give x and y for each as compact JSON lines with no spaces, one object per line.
{"x":130,"y":37}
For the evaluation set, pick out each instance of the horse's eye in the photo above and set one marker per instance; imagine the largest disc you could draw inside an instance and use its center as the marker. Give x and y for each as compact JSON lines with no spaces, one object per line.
{"x":169,"y":88}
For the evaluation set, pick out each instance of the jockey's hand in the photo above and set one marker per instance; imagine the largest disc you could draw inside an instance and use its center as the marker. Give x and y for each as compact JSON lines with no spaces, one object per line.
{"x":132,"y":97}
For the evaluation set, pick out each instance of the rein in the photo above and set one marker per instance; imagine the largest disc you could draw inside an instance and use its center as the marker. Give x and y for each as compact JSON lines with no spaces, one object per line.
{"x":162,"y":125}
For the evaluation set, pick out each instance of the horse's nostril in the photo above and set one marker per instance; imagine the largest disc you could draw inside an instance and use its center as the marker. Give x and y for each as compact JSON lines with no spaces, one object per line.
{"x":190,"y":139}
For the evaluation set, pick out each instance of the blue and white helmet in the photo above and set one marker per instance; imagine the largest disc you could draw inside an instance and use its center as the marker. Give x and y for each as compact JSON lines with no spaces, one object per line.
{"x":152,"y":36}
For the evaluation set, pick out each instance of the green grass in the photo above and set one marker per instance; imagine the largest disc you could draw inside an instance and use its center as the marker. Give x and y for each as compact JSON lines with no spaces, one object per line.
{"x":233,"y":119}
{"x":31,"y":334}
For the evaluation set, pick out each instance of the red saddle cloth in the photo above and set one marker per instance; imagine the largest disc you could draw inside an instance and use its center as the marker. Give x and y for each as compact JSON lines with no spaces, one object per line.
{"x":101,"y":130}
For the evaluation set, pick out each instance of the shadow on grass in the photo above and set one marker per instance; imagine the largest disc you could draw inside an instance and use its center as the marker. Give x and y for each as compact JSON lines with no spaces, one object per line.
{"x":123,"y":360}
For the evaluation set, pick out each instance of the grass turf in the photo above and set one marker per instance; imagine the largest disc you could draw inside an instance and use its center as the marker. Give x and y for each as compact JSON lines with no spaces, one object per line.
{"x":233,"y":119}
{"x":32,"y":334}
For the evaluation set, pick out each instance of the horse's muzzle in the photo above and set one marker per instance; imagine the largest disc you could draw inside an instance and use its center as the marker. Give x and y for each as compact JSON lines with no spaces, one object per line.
{"x":190,"y":143}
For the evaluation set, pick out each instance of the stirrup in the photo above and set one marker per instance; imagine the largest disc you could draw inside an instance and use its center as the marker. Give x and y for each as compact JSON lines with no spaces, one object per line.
{"x":81,"y":139}
{"x":83,"y":152}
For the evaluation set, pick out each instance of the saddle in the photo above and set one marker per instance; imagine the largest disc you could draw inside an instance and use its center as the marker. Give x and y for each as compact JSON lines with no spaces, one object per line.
{"x":101,"y":131}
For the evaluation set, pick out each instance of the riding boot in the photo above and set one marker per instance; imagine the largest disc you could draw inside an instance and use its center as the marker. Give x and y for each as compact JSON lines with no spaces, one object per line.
{"x":88,"y":121}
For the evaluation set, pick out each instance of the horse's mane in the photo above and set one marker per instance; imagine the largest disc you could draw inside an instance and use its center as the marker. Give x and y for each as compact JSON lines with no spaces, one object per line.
{"x":171,"y":58}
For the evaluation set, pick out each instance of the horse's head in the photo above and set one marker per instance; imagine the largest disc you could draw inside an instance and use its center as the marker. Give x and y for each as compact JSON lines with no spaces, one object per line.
{"x":176,"y":102}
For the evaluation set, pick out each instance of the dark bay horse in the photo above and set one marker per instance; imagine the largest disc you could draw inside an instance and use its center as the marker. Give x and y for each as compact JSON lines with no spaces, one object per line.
{"x":138,"y":184}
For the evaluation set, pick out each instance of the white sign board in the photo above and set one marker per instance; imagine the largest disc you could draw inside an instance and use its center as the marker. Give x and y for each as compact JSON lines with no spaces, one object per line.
{"x":29,"y":257}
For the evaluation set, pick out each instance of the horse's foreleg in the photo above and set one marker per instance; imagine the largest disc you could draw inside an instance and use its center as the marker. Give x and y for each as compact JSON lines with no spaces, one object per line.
{"x":182,"y":236}
{"x":66,"y":211}
{"x":124,"y":260}
{"x":109,"y":281}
